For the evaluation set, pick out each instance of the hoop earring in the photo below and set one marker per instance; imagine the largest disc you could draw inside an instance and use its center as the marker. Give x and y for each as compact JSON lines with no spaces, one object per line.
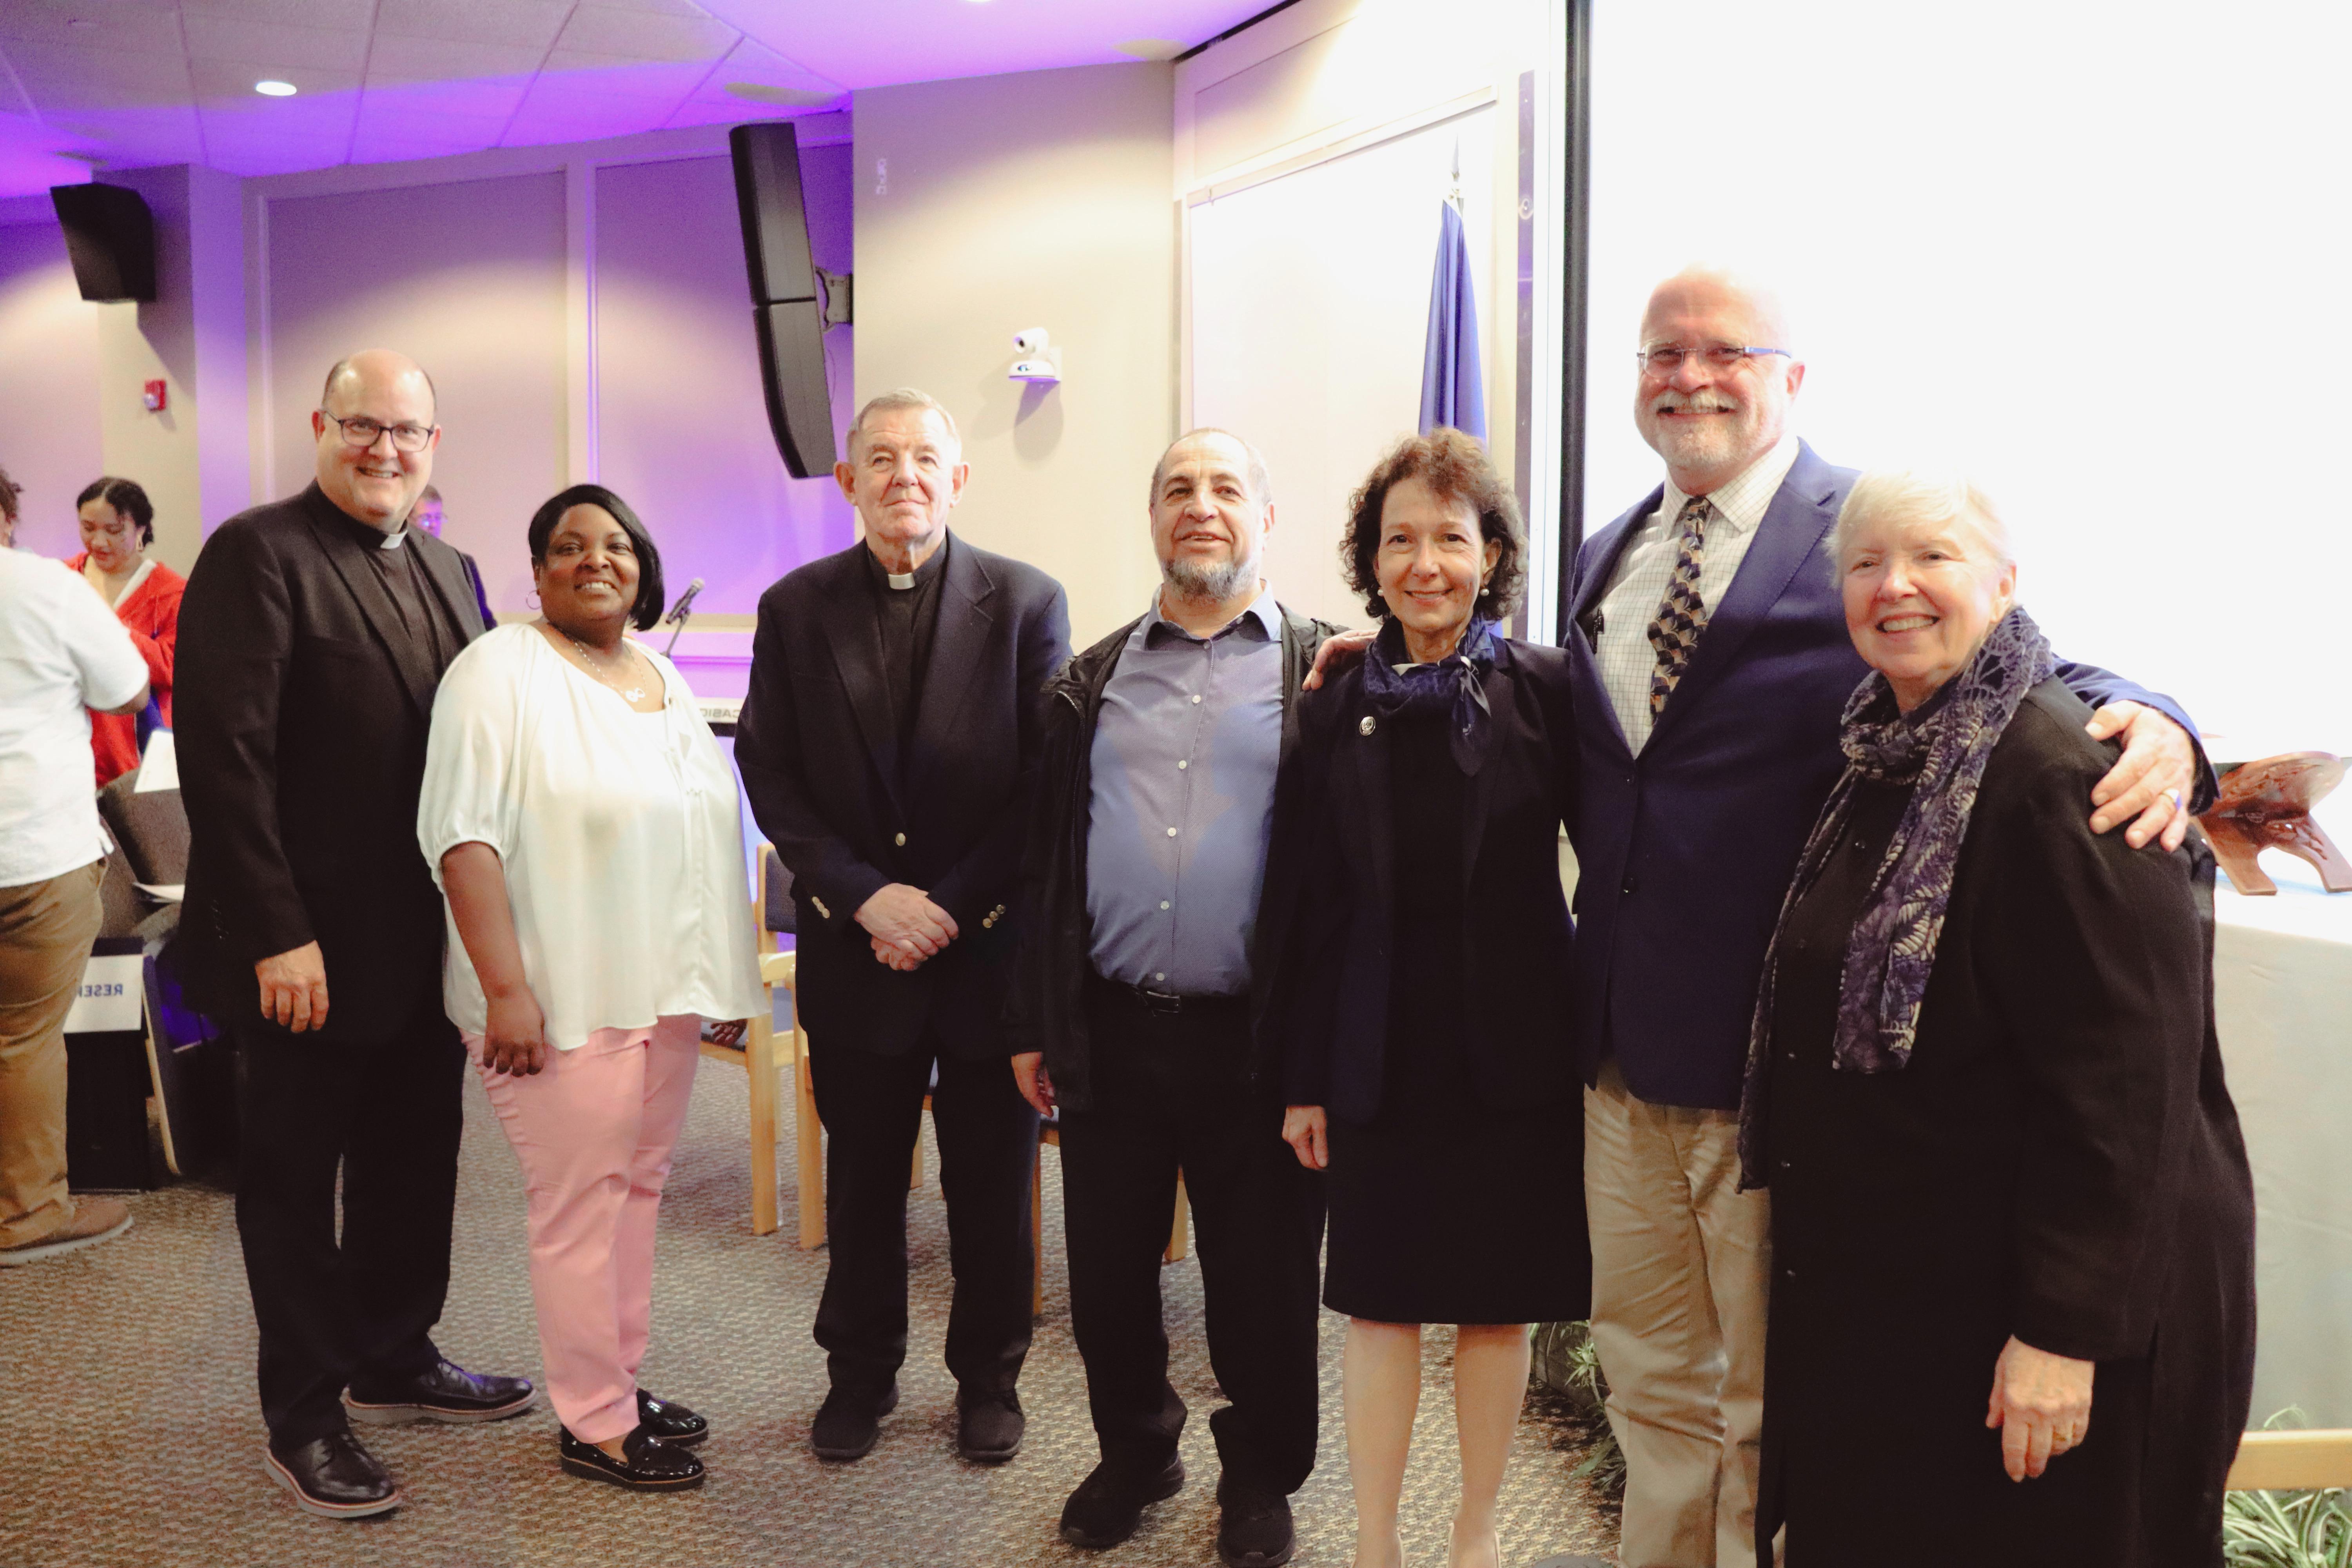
{"x":530,"y":600}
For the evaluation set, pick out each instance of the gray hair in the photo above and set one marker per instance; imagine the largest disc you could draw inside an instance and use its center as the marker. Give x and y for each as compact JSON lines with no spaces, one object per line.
{"x":1261,"y":483}
{"x":903,"y":397}
{"x":1920,"y":496}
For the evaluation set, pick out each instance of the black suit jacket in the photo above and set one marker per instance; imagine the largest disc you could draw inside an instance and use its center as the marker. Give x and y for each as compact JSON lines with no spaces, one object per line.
{"x":301,"y":711}
{"x":820,"y":762}
{"x":1518,"y":1012}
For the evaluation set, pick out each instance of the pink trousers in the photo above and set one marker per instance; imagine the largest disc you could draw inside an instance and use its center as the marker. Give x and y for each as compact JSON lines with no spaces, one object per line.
{"x":592,"y":1132}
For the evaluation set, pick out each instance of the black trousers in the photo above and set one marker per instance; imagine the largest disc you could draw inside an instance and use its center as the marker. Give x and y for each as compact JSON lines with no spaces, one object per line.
{"x":390,"y":1116}
{"x":872,"y":1108}
{"x":1172,"y":1091}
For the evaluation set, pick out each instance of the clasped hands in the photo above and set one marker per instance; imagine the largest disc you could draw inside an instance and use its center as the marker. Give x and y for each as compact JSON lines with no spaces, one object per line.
{"x":2150,"y":785}
{"x":904,"y":926}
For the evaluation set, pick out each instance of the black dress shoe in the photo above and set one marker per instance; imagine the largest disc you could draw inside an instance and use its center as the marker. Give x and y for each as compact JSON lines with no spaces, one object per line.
{"x":989,"y":1427}
{"x":673,"y":1424}
{"x":449,"y":1393}
{"x":1253,"y":1529}
{"x":650,"y":1465}
{"x":333,"y":1477}
{"x":849,"y":1423}
{"x":1108,"y":1505}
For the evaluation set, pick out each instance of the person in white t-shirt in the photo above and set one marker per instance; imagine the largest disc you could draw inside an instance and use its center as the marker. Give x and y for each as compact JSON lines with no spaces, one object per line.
{"x":61,"y":654}
{"x":585,"y":829}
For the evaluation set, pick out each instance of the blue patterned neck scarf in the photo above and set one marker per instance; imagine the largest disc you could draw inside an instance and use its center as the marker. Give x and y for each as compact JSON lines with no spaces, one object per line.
{"x":1940,"y":750}
{"x":1452,"y":686}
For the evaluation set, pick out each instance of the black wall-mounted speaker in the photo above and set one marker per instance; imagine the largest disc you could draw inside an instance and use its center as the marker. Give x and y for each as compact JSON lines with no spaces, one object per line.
{"x":788,"y":310}
{"x":111,"y":236}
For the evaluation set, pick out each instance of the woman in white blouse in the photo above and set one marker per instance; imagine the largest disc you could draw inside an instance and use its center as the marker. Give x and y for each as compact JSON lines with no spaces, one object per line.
{"x":585,"y":829}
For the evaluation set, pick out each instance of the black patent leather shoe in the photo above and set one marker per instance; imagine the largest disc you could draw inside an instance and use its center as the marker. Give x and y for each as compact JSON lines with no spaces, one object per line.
{"x":448,"y":1394}
{"x":849,"y":1423}
{"x":1106,"y":1506}
{"x":673,"y":1424}
{"x":648,"y":1465}
{"x":1253,"y":1527}
{"x":989,"y":1427}
{"x":334,"y":1477}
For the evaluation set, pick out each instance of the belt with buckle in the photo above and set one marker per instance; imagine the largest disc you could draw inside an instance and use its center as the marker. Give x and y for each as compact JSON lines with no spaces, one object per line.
{"x":1166,"y":1004}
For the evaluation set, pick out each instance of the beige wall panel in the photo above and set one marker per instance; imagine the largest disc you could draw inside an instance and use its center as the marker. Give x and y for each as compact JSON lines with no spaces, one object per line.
{"x":990,"y":205}
{"x":468,"y":277}
{"x":49,"y":440}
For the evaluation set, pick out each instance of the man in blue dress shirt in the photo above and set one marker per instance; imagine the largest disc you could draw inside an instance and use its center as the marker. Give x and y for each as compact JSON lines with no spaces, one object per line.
{"x":1155,"y":890}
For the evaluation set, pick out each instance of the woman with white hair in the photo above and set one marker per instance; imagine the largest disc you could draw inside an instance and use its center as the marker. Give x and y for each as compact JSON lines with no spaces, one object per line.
{"x":2012,"y":1305}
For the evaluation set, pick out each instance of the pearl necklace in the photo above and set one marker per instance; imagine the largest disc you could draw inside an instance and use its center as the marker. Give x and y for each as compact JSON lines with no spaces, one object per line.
{"x":633,"y":693}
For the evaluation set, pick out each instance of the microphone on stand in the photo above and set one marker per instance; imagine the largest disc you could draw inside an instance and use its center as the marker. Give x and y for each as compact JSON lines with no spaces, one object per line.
{"x":681,"y":612}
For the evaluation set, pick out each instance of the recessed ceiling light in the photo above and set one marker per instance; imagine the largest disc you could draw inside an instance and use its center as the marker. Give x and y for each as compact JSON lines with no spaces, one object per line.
{"x":274,"y":89}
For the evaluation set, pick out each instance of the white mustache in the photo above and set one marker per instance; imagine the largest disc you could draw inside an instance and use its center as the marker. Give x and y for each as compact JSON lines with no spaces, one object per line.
{"x":1707,"y":402}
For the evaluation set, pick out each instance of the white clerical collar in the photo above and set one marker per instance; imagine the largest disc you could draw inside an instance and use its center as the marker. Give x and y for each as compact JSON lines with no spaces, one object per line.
{"x":900,"y":579}
{"x":393,"y":540}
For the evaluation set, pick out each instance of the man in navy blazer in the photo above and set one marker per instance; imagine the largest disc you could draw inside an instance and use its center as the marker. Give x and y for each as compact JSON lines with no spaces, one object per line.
{"x":1711,"y":662}
{"x":888,"y":744}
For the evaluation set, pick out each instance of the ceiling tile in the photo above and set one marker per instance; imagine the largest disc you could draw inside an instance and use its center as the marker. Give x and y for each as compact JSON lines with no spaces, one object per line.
{"x":350,"y":13}
{"x":754,"y":62}
{"x":539,"y":126}
{"x":572,"y":76}
{"x":494,"y":97}
{"x":524,"y":23}
{"x":64,"y":81}
{"x":233,"y":80}
{"x":654,"y":7}
{"x":277,"y":43}
{"x":640,"y":35}
{"x":143,"y":26}
{"x":401,"y":59}
{"x":392,"y":145}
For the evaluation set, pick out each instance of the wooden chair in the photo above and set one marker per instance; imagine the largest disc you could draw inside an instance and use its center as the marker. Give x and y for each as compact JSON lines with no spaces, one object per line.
{"x":765,"y":1054}
{"x":2292,"y":1461}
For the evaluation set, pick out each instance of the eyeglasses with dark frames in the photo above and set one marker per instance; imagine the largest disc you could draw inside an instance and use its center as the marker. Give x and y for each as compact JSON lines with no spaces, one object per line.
{"x":360,"y":431}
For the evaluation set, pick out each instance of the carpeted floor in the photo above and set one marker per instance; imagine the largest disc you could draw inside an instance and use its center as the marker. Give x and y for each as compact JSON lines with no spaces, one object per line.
{"x":129,"y":1434}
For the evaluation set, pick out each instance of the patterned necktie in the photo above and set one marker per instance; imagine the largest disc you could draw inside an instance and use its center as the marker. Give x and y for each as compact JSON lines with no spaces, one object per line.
{"x":1675,"y":631}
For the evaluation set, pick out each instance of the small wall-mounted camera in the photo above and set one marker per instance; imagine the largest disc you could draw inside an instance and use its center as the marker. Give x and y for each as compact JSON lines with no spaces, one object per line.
{"x":1040,"y":361}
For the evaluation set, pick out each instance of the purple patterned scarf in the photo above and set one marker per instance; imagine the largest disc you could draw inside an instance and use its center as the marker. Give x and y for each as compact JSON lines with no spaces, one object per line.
{"x":1452,"y":686}
{"x":1942,"y":756}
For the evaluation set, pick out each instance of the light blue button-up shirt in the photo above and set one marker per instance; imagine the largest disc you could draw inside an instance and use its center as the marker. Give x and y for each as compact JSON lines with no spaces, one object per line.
{"x":1185,"y":749}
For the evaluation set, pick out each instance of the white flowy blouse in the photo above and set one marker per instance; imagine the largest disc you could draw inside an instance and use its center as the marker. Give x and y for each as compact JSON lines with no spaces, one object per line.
{"x":618,"y":831}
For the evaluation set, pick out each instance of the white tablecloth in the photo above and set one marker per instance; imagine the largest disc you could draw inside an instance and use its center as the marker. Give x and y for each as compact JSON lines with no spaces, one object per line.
{"x":2282,"y":987}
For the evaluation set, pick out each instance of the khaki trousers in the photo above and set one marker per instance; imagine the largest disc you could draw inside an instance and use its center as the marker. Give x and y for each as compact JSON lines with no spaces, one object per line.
{"x":46,"y":930}
{"x":1681,"y":1263}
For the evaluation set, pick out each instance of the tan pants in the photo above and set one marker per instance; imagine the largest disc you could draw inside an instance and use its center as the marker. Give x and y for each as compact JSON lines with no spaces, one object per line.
{"x":46,"y":930}
{"x":1681,"y":1261}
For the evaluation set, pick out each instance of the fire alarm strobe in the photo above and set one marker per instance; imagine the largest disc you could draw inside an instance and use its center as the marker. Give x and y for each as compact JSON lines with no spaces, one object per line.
{"x":154,"y":397}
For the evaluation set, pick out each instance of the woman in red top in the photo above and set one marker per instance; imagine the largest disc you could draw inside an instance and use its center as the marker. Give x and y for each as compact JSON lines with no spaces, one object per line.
{"x":118,"y":524}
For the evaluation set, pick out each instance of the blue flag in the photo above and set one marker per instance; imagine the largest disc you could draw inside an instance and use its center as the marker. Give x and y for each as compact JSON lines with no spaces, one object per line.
{"x":1452,"y":392}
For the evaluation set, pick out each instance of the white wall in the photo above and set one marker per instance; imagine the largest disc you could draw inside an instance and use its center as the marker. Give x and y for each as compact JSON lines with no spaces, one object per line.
{"x":1303,"y":161}
{"x":2067,"y":244}
{"x":49,"y":437}
{"x":1036,"y":200}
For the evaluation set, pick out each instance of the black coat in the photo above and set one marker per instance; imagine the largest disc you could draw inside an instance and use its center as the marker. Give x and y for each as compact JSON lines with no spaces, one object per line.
{"x":2060,"y":1161}
{"x":1048,"y":1012}
{"x":1516,"y":941}
{"x":820,"y":761}
{"x":300,"y":712}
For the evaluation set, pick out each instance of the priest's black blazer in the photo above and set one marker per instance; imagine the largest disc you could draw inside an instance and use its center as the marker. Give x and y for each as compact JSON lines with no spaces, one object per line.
{"x":300,"y":710}
{"x":820,"y":762}
{"x":1515,"y":941}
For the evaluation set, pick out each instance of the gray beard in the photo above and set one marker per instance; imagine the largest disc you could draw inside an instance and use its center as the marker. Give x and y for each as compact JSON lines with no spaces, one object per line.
{"x":1211,"y":582}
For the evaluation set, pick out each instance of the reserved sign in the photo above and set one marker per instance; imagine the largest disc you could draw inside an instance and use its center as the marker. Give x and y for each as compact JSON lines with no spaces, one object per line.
{"x":112,"y":996}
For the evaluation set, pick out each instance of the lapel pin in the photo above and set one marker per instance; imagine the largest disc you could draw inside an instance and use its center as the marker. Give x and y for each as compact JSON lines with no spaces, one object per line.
{"x":1365,"y":726}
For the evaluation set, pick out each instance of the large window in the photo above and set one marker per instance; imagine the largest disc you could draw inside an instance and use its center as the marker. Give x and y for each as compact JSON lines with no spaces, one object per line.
{"x":2093,"y":252}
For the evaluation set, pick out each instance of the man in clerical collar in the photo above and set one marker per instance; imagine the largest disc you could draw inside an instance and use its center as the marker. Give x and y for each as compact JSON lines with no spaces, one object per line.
{"x":888,"y":744}
{"x":312,"y":637}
